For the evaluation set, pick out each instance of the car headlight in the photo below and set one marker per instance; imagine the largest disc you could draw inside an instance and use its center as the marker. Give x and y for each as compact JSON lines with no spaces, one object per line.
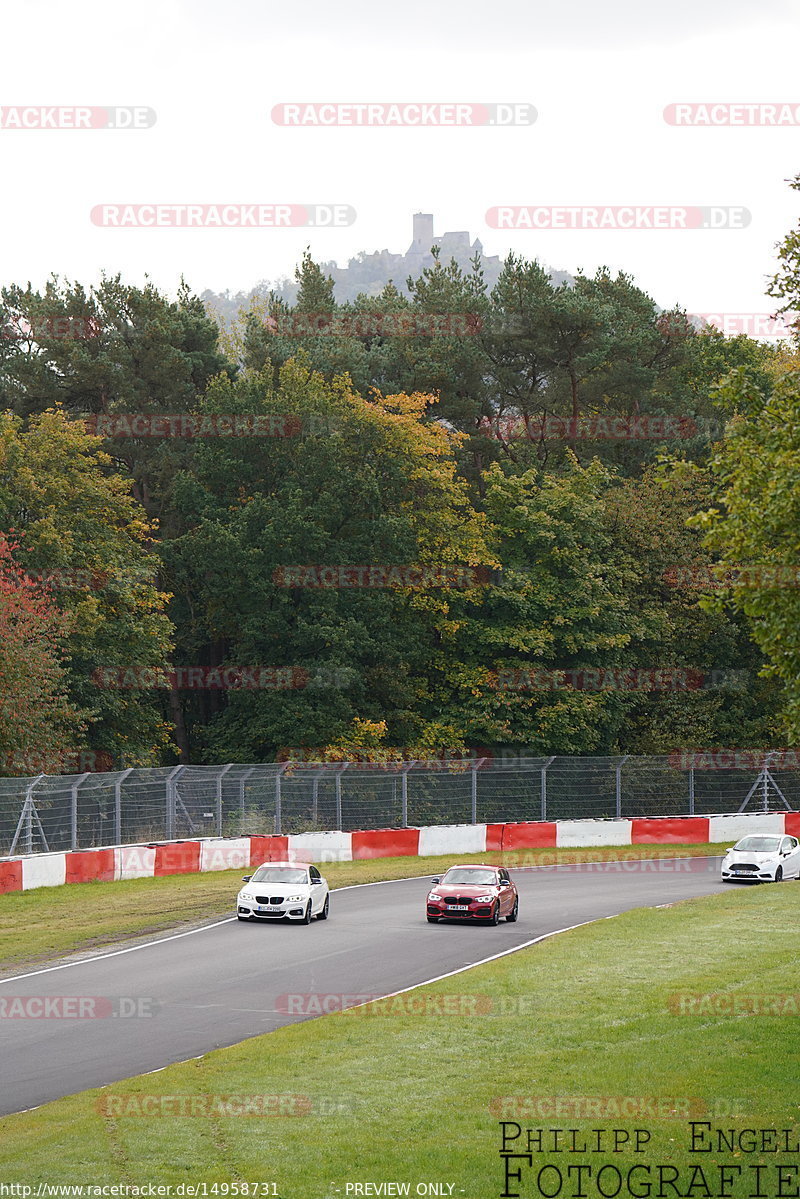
{"x":434,"y":897}
{"x":246,"y":897}
{"x":484,"y":899}
{"x":294,"y":898}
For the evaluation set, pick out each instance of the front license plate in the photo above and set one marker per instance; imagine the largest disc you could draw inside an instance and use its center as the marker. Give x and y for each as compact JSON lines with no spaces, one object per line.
{"x":735,"y":871}
{"x":458,"y":907}
{"x":266,"y":907}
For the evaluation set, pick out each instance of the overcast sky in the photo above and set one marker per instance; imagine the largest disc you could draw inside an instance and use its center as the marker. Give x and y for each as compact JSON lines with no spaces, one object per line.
{"x":599,"y":76}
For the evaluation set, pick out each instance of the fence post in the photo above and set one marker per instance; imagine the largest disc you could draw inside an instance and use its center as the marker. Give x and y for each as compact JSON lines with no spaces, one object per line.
{"x":691,"y":790}
{"x":475,"y":767}
{"x":278,"y":800}
{"x":404,"y":794}
{"x":220,"y":777}
{"x":73,"y":812}
{"x":339,"y":774}
{"x":118,"y":805}
{"x":619,"y":785}
{"x":172,"y":778}
{"x":242,"y":783}
{"x":26,"y":817}
{"x":548,"y":763}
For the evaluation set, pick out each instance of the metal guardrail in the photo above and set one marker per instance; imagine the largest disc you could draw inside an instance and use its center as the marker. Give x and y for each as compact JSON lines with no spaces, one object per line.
{"x":65,"y":812}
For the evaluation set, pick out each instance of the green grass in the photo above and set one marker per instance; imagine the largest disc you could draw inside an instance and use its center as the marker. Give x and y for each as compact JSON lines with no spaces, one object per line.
{"x":585,"y":1014}
{"x":90,"y":916}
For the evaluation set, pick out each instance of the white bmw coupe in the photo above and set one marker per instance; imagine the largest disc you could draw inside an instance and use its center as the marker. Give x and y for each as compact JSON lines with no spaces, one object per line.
{"x":283,"y":891}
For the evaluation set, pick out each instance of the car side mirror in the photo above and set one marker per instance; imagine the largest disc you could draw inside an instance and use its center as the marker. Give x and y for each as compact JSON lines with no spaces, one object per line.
{"x":246,"y":878}
{"x":504,"y":882}
{"x":434,"y":881}
{"x":315,"y":882}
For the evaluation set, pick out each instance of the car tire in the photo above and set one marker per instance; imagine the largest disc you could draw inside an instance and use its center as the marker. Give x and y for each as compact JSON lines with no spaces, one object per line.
{"x":779,"y":875}
{"x":307,"y":916}
{"x":512,"y":915}
{"x":433,"y":920}
{"x":324,"y":913}
{"x":495,"y":916}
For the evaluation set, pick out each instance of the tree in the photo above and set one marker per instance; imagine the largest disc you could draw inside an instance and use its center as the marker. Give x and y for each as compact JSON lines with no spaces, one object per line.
{"x":112,"y":349}
{"x":85,"y":532}
{"x":785,"y":284}
{"x":755,"y":520}
{"x":364,"y":482}
{"x":40,"y":729}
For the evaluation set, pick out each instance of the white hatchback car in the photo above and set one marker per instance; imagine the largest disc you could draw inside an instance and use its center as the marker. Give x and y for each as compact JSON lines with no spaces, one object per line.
{"x":283,"y":891}
{"x":762,"y":857}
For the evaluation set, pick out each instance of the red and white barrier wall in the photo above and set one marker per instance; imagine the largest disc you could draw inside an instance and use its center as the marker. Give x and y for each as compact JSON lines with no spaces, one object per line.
{"x":190,"y":857}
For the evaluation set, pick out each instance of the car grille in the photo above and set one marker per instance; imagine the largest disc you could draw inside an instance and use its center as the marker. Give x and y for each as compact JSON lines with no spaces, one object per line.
{"x":745,"y":866}
{"x":269,"y":899}
{"x":459,"y":899}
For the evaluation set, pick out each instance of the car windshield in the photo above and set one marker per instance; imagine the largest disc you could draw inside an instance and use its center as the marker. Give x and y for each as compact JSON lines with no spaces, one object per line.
{"x":475,"y":878}
{"x":279,"y":874}
{"x":757,"y":845}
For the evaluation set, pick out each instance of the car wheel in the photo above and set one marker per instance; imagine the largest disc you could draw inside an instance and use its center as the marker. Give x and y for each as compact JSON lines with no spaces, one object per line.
{"x":779,"y":875}
{"x":324,"y":913}
{"x":495,"y":916}
{"x":433,"y":920}
{"x":307,"y":914}
{"x":512,"y":915}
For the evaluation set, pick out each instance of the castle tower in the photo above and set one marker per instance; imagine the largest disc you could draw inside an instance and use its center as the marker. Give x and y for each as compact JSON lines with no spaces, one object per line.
{"x":423,"y":233}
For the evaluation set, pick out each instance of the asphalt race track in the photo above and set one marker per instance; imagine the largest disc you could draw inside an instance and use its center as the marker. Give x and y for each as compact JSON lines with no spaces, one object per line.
{"x":222,"y":983}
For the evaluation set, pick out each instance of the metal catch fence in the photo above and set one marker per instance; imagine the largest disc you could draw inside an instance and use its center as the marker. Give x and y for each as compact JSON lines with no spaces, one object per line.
{"x":65,"y":812}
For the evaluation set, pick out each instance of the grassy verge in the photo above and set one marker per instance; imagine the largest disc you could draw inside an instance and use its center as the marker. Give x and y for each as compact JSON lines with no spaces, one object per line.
{"x":409,"y":1092}
{"x":88,"y":916}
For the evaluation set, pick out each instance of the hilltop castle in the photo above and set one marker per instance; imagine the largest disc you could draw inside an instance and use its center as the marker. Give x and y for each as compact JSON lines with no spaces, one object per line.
{"x":368,"y":274}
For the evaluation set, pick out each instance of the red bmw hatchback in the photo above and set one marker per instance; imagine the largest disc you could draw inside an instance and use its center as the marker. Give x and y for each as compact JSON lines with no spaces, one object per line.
{"x":473,"y":893}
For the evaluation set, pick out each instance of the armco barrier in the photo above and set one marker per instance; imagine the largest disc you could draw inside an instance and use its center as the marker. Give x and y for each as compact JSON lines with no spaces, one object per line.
{"x":238,"y":853}
{"x":91,"y":865}
{"x":385,"y":843}
{"x":10,"y":876}
{"x":671,"y":830}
